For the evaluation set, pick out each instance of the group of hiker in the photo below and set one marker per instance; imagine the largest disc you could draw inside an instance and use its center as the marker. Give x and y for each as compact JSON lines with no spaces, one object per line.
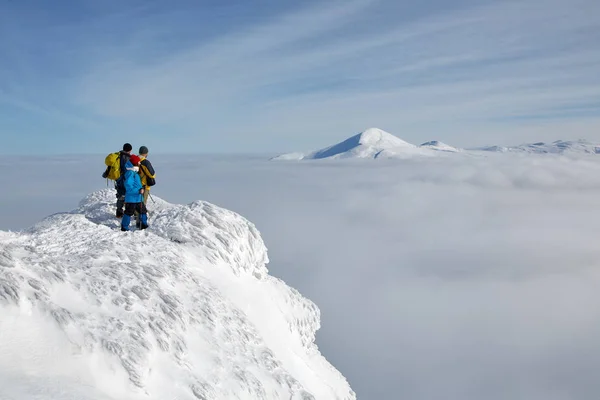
{"x":133,"y":176}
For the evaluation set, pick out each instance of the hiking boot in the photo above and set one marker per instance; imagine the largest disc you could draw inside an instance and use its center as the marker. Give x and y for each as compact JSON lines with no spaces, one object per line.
{"x":124,"y":230}
{"x":144,"y":226}
{"x":119,"y":213}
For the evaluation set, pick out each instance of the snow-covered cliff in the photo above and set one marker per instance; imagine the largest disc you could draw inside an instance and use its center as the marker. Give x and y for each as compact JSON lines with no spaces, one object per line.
{"x":183,"y":310}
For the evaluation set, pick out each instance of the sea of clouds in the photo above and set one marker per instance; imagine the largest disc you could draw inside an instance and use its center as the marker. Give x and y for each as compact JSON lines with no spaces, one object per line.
{"x":461,"y":277}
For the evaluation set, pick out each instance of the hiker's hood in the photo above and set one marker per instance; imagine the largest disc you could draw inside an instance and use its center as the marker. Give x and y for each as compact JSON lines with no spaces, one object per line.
{"x":131,"y":167}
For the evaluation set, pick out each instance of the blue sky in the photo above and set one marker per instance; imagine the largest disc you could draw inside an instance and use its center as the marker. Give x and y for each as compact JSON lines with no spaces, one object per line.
{"x":271,"y":76}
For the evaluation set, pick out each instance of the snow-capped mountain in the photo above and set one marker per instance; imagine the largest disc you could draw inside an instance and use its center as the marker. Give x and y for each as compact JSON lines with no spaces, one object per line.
{"x":558,"y":147}
{"x":183,"y":310}
{"x":372,"y":143}
{"x":376,"y":143}
{"x":439,"y":146}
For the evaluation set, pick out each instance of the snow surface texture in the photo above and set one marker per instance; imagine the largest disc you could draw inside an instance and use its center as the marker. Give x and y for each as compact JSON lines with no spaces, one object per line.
{"x":185,"y":310}
{"x":376,"y":143}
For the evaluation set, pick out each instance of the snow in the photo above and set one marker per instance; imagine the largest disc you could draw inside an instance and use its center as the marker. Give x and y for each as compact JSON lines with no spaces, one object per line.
{"x":439,"y":146}
{"x":183,"y":310}
{"x":371,"y":143}
{"x":581,"y":146}
{"x":375,"y":143}
{"x":493,"y":148}
{"x":378,"y":138}
{"x":289,"y":157}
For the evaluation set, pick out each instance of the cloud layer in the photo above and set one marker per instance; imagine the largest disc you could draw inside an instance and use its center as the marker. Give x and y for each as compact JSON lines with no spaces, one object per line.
{"x":444,"y":278}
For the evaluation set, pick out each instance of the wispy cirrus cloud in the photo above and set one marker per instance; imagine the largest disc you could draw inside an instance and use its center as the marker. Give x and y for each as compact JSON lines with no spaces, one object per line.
{"x":275,"y":76}
{"x":218,"y":72}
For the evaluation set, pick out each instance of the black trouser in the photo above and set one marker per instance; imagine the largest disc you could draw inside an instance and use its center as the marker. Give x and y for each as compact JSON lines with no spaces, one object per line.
{"x":145,"y":201}
{"x":131,"y":208}
{"x":120,"y":201}
{"x":120,"y":205}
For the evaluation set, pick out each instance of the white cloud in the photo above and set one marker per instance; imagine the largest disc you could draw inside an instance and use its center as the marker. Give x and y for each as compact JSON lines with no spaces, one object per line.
{"x":444,"y":278}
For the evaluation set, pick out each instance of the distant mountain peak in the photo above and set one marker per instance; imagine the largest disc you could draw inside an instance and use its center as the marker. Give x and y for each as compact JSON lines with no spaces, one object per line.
{"x":366,"y":144}
{"x":380,"y":138}
{"x":371,"y":143}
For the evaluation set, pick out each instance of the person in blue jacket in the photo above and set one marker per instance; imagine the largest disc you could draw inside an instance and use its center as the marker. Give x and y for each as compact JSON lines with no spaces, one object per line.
{"x":134,"y":194}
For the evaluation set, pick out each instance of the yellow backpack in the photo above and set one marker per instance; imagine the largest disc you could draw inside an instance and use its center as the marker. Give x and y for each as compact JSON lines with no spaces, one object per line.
{"x":113,"y":162}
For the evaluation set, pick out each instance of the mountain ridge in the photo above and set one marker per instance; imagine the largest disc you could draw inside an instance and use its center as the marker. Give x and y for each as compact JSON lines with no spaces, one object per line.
{"x":582,"y":146}
{"x":375,"y":143}
{"x":185,"y":309}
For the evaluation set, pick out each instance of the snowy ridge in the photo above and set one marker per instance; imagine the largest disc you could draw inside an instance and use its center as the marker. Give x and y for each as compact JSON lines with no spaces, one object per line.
{"x":558,"y":147}
{"x":376,"y":143}
{"x":439,"y":146}
{"x":183,"y":310}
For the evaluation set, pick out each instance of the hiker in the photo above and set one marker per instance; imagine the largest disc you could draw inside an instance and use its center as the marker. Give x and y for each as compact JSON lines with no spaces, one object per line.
{"x":147,"y":175}
{"x":134,"y":194}
{"x":115,"y":170}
